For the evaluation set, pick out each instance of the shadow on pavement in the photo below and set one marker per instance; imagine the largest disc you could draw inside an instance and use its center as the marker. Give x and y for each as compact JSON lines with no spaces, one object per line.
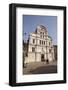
{"x":44,"y":70}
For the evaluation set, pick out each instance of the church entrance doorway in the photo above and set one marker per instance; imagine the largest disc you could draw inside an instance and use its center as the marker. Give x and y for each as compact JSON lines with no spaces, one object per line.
{"x":42,"y":57}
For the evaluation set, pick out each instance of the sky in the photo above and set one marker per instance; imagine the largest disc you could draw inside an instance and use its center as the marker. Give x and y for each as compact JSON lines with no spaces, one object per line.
{"x":30,"y":23}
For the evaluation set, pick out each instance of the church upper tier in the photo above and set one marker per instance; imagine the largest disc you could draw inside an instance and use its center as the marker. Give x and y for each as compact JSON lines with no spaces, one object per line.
{"x":40,"y":35}
{"x":41,"y":30}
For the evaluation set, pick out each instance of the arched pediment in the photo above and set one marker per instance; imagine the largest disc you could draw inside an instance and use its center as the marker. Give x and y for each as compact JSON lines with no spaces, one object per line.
{"x":41,"y":29}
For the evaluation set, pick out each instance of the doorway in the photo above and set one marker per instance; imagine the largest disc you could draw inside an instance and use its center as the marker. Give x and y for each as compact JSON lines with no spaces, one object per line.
{"x":42,"y":57}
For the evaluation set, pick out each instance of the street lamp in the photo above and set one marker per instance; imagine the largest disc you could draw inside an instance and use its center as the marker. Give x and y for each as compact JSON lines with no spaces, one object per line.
{"x":24,"y":49}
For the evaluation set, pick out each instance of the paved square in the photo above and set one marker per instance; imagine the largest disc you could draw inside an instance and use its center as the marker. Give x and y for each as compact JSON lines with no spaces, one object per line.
{"x":40,"y":68}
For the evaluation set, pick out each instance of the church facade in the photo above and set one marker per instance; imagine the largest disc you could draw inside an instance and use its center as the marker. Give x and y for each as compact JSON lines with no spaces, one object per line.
{"x":40,"y":46}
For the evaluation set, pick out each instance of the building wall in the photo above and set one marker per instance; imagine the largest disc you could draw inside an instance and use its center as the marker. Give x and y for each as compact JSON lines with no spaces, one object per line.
{"x":41,"y":47}
{"x":31,"y":57}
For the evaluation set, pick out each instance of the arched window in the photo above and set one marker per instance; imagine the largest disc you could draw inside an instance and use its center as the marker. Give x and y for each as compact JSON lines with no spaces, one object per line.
{"x":49,"y":50}
{"x":33,"y":49}
{"x":33,"y":41}
{"x":44,"y":42}
{"x":40,"y":42}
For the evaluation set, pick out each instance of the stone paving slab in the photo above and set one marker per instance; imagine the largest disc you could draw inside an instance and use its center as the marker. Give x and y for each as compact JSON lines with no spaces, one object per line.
{"x":40,"y":68}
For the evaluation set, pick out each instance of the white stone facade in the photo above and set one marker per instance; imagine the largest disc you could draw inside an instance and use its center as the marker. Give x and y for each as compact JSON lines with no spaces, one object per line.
{"x":40,"y":46}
